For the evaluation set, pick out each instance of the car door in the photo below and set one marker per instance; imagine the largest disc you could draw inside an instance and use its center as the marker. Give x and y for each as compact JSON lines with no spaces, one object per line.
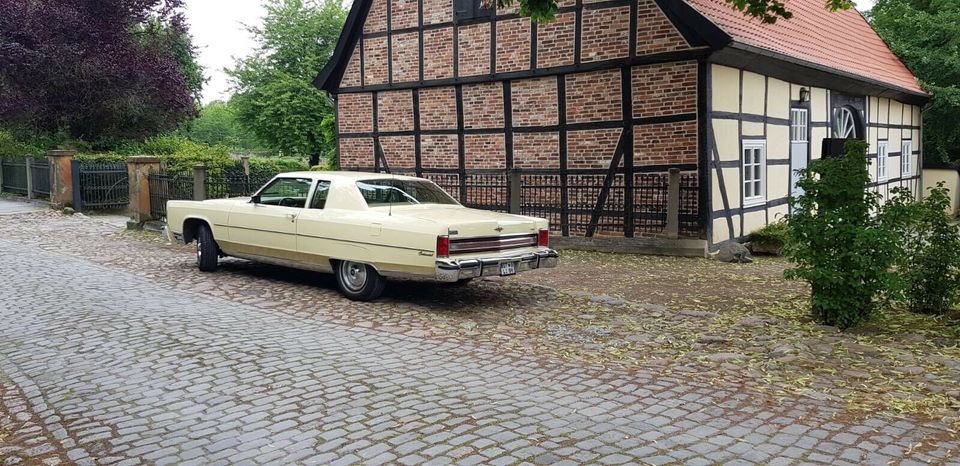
{"x":313,"y":228}
{"x":267,"y":225}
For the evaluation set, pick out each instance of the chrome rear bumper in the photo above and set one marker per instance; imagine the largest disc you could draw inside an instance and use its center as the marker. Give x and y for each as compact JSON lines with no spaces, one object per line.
{"x":452,"y":270}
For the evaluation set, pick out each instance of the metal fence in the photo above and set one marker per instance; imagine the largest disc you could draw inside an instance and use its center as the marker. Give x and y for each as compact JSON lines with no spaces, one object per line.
{"x":100,"y":186}
{"x":40,"y":178}
{"x":570,"y":202}
{"x":14,"y":176}
{"x":235,"y":183}
{"x":165,"y":187}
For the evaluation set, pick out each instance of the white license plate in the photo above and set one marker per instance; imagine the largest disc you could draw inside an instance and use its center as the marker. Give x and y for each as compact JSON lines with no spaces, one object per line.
{"x":508,"y":268}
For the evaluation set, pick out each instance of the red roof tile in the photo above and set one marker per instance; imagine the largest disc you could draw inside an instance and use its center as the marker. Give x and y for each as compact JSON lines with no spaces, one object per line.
{"x":842,"y":40}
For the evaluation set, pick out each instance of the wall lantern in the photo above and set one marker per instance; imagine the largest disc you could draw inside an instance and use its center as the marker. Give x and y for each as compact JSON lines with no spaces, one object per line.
{"x":804,"y":94}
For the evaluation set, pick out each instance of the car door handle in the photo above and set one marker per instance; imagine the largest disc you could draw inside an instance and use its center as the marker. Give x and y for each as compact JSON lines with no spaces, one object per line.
{"x":292,"y":217}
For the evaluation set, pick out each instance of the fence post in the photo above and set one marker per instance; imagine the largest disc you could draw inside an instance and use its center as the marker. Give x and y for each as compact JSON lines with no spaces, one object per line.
{"x":199,"y":182}
{"x":138,"y":172}
{"x":514,"y":191}
{"x":673,"y":204}
{"x":28,"y":165}
{"x":245,"y":162}
{"x":1,"y":174}
{"x":61,"y":177}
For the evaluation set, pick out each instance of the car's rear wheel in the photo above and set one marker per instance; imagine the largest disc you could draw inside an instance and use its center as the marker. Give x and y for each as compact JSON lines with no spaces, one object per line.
{"x":207,"y":253}
{"x":359,"y":281}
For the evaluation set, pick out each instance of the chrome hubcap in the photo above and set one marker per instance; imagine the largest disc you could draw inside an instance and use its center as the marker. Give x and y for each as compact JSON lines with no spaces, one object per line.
{"x":354,"y":275}
{"x":199,"y":251}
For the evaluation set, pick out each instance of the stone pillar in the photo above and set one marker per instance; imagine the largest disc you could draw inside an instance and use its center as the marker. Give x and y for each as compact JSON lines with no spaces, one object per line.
{"x":61,"y":177}
{"x":28,"y":164}
{"x":139,"y":169}
{"x":245,"y":162}
{"x":199,"y":182}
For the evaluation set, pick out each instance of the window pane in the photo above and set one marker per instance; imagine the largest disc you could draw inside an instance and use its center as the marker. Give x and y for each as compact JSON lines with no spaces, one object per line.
{"x":756,"y":188}
{"x":320,"y":195}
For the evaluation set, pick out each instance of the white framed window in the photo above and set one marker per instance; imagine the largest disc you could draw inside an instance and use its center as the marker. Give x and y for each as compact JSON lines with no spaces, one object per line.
{"x":754,"y":159}
{"x":882,"y":155}
{"x":906,"y":158}
{"x":798,"y":125}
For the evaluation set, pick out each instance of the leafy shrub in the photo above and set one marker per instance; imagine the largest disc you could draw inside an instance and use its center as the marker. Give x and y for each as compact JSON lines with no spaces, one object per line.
{"x":769,"y":239}
{"x":929,"y":263}
{"x":101,"y":157}
{"x":843,"y":251}
{"x":12,"y":148}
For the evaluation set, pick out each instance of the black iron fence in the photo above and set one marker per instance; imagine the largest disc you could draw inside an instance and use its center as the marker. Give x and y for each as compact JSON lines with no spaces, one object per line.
{"x":571,"y":201}
{"x":166,"y":187}
{"x":26,"y":176}
{"x":14,"y":176}
{"x":100,"y":186}
{"x":40,"y":178}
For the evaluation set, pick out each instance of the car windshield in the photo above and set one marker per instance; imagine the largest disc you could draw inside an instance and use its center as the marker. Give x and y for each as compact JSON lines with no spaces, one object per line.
{"x":402,"y":191}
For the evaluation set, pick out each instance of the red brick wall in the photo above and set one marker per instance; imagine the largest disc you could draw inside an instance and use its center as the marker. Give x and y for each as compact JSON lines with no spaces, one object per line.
{"x":594,"y":96}
{"x":375,"y":61}
{"x":355,"y":113}
{"x":406,"y":57}
{"x":513,"y":45}
{"x":536,"y":150}
{"x":438,"y":108}
{"x":403,"y":14}
{"x":555,"y":41}
{"x":591,"y":148}
{"x":351,"y":75}
{"x":376,"y":17}
{"x":534,"y":101}
{"x":474,"y":49}
{"x":664,"y":89}
{"x":399,"y":151}
{"x":356,"y":152}
{"x":665,"y":143}
{"x":605,"y":34}
{"x":655,"y":33}
{"x":438,"y":151}
{"x":484,"y":151}
{"x":395,"y":111}
{"x":437,"y":11}
{"x":438,"y":53}
{"x":483,"y":105}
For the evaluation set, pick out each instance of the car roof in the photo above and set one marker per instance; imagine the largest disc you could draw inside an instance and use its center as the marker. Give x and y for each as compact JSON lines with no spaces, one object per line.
{"x":344,"y":176}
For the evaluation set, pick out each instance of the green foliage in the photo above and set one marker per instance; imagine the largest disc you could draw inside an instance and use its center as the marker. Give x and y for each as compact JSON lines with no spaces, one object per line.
{"x":218,"y":125}
{"x":12,"y":148}
{"x":837,"y":245}
{"x":934,"y":57}
{"x":275,"y":97}
{"x":769,"y":239}
{"x":929,"y":261}
{"x":768,"y":11}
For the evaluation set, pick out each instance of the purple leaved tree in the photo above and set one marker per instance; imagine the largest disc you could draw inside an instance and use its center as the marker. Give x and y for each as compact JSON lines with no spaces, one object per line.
{"x":100,"y":71}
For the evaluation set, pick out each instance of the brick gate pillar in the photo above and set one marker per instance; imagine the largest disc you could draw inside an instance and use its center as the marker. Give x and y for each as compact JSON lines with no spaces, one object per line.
{"x":61,"y":177}
{"x":138,"y":170}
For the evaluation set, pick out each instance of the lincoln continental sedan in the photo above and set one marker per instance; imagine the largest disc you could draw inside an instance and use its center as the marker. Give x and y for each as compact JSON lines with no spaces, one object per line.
{"x":363,"y":228}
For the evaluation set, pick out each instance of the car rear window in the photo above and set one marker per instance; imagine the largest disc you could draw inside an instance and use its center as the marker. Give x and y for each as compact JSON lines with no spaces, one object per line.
{"x":402,"y":191}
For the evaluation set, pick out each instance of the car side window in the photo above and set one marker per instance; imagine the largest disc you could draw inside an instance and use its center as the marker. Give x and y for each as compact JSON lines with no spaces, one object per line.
{"x":320,"y":195}
{"x":286,"y":192}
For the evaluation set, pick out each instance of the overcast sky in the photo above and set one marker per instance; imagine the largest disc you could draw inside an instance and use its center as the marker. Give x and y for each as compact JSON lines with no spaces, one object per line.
{"x":218,"y":33}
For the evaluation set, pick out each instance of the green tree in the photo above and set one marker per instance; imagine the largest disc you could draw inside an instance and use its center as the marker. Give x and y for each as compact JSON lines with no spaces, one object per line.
{"x":218,"y":124}
{"x":925,"y":34}
{"x":274,"y":94}
{"x":768,"y":11}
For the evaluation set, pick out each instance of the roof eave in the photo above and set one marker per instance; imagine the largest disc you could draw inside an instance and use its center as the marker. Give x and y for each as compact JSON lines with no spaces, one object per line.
{"x":329,"y":77}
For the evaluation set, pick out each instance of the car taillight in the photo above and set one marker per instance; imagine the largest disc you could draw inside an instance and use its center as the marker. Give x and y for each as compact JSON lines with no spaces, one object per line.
{"x":543,"y":239}
{"x":443,"y":246}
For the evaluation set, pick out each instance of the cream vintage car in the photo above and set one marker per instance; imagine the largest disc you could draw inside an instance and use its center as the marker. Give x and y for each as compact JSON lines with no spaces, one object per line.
{"x":362,"y":227}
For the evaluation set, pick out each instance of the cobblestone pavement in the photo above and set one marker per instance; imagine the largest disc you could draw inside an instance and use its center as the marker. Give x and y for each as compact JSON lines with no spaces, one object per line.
{"x":100,"y":365}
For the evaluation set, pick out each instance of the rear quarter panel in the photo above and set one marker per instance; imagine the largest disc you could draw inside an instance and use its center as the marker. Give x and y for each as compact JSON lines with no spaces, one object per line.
{"x":215,"y":215}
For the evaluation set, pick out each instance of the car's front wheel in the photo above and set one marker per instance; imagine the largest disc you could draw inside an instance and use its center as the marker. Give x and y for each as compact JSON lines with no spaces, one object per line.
{"x":359,"y":281}
{"x":207,"y":253}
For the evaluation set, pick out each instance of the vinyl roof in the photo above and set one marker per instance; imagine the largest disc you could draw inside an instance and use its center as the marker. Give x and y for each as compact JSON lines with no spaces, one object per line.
{"x":841,"y":40}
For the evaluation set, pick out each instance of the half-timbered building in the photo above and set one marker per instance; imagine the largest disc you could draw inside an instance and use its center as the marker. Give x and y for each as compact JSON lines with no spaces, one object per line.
{"x":582,"y":119}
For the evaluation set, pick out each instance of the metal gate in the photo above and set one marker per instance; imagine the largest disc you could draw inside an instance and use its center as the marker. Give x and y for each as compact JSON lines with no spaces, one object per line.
{"x":102,"y":186}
